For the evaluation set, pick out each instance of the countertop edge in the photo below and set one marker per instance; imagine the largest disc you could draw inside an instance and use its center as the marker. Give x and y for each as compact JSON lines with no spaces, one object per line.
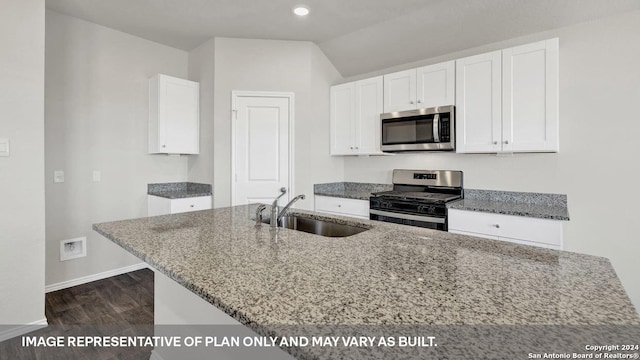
{"x":354,"y":197}
{"x":455,"y":206}
{"x":179,"y":196}
{"x":238,"y":315}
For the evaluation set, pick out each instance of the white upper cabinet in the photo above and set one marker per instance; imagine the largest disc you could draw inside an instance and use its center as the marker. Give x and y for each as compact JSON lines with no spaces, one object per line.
{"x":428,"y":86}
{"x":507,"y":101}
{"x":342,"y":118}
{"x":436,"y":85}
{"x":174,"y":115}
{"x":479,"y":99}
{"x":530,"y":97}
{"x":400,"y":91}
{"x":355,"y":117}
{"x":368,"y":109}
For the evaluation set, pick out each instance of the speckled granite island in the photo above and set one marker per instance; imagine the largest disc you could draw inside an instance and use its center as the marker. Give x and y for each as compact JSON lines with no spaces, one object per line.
{"x":388,"y":275}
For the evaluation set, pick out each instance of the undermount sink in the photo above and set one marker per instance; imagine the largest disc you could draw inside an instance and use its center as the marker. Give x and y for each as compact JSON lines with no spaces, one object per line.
{"x":318,"y":227}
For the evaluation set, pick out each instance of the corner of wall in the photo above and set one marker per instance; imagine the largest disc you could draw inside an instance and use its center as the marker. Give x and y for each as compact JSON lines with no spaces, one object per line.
{"x":201,"y":68}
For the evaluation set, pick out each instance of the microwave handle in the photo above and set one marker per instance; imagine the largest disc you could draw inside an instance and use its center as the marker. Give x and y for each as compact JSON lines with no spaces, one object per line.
{"x":436,"y":128}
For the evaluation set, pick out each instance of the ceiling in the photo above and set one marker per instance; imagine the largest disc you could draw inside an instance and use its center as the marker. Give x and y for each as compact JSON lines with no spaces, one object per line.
{"x":358,"y":36}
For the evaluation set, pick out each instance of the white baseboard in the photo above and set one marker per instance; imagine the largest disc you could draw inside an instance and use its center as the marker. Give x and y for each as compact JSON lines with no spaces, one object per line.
{"x":22,"y":329}
{"x":94,"y":277}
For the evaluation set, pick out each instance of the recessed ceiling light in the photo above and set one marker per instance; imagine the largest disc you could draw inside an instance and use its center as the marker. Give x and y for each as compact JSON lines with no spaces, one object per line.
{"x":301,"y":11}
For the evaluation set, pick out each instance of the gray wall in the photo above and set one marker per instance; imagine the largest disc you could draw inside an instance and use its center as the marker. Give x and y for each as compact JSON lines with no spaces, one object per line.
{"x":599,"y":148}
{"x":96,"y":119}
{"x":22,"y":224}
{"x":269,"y":65}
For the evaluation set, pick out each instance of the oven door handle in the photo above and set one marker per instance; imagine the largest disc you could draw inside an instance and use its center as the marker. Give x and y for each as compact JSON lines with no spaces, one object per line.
{"x":436,"y":128}
{"x":408,"y":217}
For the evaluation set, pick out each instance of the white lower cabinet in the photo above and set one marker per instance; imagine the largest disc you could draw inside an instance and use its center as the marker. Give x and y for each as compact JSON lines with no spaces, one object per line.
{"x":157,"y":205}
{"x":516,"y":229}
{"x":342,"y":206}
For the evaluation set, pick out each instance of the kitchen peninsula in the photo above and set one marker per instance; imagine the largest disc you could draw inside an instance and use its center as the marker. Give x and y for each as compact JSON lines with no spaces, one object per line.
{"x":388,"y":275}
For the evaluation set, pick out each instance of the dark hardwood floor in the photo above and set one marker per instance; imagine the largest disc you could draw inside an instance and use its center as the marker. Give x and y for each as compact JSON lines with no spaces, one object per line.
{"x":120,"y":305}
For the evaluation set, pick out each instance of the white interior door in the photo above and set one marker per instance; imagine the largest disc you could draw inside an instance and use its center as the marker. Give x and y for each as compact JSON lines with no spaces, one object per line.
{"x":261,"y":152}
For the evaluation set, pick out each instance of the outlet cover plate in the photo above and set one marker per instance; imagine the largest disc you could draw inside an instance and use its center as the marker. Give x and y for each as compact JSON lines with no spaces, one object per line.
{"x":4,"y":147}
{"x":58,"y":176}
{"x":73,"y":248}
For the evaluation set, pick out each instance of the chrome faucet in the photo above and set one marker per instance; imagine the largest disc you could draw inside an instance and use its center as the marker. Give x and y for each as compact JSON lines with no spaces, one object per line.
{"x":275,"y":208}
{"x":259,"y":211}
{"x":284,"y":210}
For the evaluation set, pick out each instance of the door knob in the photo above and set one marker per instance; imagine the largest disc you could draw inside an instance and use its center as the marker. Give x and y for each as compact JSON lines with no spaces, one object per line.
{"x":506,"y":141}
{"x":495,"y":143}
{"x":411,"y":102}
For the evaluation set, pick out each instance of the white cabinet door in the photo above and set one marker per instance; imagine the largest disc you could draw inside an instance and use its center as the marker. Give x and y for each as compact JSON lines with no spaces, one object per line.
{"x":517,"y":229}
{"x":342,"y":206}
{"x":507,"y":101}
{"x":368,"y":107}
{"x":478,"y":103}
{"x":342,"y":119}
{"x":400,"y":91}
{"x":174,"y":115}
{"x":190,"y":204}
{"x":355,"y":117}
{"x":436,"y":85}
{"x":530,"y":97}
{"x":157,"y":205}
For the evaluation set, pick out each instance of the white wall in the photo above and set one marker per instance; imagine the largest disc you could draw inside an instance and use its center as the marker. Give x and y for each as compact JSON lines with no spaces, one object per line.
{"x":22,"y":224}
{"x":201,"y":69}
{"x":599,"y":127}
{"x":269,"y":65}
{"x":96,"y":119}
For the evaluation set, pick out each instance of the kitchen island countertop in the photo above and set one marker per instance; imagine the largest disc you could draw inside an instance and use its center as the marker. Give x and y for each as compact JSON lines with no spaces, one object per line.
{"x":389,"y":274}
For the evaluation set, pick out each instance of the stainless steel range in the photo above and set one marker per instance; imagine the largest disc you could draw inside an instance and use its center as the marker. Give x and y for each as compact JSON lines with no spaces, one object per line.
{"x":418,"y":198}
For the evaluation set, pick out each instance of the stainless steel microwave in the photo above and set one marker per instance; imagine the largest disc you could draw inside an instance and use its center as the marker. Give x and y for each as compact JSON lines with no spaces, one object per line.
{"x":431,"y":129}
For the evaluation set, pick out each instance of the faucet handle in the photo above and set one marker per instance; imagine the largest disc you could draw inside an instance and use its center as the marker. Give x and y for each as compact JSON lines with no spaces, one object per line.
{"x":259,"y":211}
{"x":283,"y":190}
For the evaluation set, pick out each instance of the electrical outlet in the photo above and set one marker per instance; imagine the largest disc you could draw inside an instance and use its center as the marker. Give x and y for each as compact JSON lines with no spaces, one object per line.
{"x":4,"y":147}
{"x":58,"y":176}
{"x":73,"y":248}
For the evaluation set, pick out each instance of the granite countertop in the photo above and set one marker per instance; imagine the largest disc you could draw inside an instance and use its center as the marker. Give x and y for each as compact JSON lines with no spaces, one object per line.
{"x":537,"y":205}
{"x":390,"y":274}
{"x":349,"y":190}
{"x":528,"y":204}
{"x":179,"y":190}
